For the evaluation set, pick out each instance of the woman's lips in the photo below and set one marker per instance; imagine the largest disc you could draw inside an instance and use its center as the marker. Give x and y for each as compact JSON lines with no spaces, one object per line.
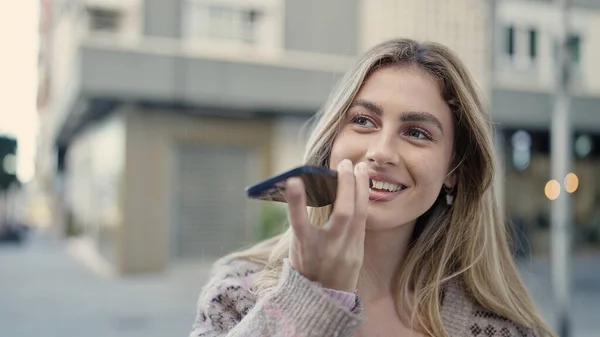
{"x":382,"y":195}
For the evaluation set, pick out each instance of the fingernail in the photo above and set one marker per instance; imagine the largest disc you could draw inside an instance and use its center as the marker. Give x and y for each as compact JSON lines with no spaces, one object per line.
{"x":363,"y":167}
{"x":291,"y":185}
{"x":358,"y":168}
{"x":346,"y":165}
{"x":293,"y":181}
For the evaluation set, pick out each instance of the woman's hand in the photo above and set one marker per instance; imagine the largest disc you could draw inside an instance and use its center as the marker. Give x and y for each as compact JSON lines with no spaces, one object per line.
{"x":332,"y":255}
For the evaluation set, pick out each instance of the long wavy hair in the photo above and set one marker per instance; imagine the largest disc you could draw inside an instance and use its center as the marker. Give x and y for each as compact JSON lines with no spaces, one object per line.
{"x":465,"y":242}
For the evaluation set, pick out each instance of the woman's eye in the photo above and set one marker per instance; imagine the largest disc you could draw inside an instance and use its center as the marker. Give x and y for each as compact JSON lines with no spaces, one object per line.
{"x":418,"y":134}
{"x":363,"y":121}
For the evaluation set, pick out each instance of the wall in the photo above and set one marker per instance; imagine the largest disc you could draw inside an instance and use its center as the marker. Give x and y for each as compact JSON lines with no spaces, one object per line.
{"x":326,"y":27}
{"x":590,"y":52}
{"x":162,"y":18}
{"x":151,"y":137}
{"x":539,"y":76}
{"x":64,"y":65}
{"x":462,"y":25}
{"x":288,"y":143}
{"x":95,"y":163}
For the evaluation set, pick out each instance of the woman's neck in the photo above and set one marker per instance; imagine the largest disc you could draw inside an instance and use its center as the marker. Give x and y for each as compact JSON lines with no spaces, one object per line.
{"x":385,"y":251}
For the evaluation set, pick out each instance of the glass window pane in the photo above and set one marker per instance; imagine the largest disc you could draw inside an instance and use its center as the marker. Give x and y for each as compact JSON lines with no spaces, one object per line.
{"x":225,"y":22}
{"x":575,"y":45}
{"x":532,"y":44}
{"x":510,"y":39}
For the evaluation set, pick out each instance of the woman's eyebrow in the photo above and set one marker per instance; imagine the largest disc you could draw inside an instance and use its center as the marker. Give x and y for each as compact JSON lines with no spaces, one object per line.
{"x":421,"y":116}
{"x":371,"y":106}
{"x":407,"y":116}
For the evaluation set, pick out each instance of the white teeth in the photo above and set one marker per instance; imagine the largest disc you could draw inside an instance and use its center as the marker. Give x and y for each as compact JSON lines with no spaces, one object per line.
{"x":380,"y":185}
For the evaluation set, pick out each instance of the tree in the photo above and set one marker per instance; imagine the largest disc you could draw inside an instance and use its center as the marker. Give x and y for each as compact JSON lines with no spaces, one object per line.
{"x":8,"y":152}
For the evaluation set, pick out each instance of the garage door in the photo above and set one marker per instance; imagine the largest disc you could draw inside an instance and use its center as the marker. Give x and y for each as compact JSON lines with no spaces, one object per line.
{"x":211,"y":213}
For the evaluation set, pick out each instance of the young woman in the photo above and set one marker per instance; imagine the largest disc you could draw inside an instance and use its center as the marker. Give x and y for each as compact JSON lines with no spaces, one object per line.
{"x":414,"y":244}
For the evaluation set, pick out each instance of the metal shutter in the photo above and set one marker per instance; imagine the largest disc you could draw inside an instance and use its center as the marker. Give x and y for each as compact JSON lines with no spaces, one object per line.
{"x":211,"y":213}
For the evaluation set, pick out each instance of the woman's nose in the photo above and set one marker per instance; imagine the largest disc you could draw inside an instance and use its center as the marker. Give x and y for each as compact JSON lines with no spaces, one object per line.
{"x":383,"y":152}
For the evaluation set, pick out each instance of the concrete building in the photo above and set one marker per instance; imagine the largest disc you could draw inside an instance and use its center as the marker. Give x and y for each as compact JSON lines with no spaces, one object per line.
{"x":161,"y":112}
{"x":526,"y":46}
{"x":524,"y":80}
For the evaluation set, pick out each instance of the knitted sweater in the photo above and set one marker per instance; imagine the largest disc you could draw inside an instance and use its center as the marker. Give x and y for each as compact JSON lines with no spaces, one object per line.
{"x":299,"y":307}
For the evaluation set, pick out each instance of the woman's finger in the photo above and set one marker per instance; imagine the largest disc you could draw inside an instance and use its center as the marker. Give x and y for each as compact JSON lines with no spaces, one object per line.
{"x":343,"y":208}
{"x":296,"y":200}
{"x":361,"y":207}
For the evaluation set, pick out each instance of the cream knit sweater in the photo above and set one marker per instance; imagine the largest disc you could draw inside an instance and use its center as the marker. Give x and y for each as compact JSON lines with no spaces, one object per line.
{"x":301,"y":308}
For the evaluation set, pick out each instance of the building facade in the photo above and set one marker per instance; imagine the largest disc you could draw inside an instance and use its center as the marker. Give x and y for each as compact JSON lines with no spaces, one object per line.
{"x":525,"y":66}
{"x":161,"y":112}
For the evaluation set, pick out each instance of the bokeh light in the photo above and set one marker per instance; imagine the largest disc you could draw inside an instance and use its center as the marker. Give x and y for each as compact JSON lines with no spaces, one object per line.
{"x":552,"y":189}
{"x":571,"y":182}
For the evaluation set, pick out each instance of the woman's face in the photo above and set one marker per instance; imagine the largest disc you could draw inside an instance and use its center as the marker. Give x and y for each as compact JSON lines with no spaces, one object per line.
{"x":402,"y":128}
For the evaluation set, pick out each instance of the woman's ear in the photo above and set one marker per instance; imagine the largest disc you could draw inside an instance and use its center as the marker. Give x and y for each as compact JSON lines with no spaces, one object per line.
{"x":450,"y":181}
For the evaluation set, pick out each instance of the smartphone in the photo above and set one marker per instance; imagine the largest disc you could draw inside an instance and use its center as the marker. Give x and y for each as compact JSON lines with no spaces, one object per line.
{"x":320,"y":185}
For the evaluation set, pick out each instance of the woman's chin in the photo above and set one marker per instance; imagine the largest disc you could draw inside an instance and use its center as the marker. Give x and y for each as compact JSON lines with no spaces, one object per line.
{"x":376,"y":222}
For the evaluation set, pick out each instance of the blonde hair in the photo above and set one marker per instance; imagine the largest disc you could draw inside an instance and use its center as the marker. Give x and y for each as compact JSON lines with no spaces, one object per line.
{"x":466,"y":241}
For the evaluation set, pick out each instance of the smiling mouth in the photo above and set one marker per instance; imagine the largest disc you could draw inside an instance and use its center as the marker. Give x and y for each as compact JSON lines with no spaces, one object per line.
{"x":385,"y":186}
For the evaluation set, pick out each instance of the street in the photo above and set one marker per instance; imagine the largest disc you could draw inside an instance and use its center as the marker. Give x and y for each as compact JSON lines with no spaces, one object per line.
{"x":44,"y":291}
{"x":585,"y":292}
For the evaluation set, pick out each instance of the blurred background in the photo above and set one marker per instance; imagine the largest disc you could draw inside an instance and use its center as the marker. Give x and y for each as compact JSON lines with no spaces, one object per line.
{"x":129,"y":129}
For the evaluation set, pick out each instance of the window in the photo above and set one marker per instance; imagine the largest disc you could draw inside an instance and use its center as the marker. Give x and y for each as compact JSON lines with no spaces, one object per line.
{"x":532,"y":44}
{"x":510,"y":41}
{"x":103,"y":19}
{"x":234,"y":25}
{"x":520,"y":51}
{"x":225,"y":21}
{"x":231,"y":23}
{"x":575,"y":47}
{"x":574,"y":44}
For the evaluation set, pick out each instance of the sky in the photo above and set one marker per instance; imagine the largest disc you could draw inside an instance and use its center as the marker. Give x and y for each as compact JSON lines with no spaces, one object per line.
{"x":18,"y":79}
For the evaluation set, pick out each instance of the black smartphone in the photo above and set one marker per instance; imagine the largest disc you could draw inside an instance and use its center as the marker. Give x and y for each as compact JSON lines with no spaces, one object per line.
{"x":320,"y":184}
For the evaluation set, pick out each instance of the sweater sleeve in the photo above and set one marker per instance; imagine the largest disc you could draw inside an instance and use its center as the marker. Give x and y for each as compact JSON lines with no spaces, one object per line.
{"x":296,"y":307}
{"x":348,"y":300}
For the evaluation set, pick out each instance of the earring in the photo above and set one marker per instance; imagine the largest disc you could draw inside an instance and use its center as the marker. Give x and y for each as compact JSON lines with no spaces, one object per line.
{"x":449,"y":196}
